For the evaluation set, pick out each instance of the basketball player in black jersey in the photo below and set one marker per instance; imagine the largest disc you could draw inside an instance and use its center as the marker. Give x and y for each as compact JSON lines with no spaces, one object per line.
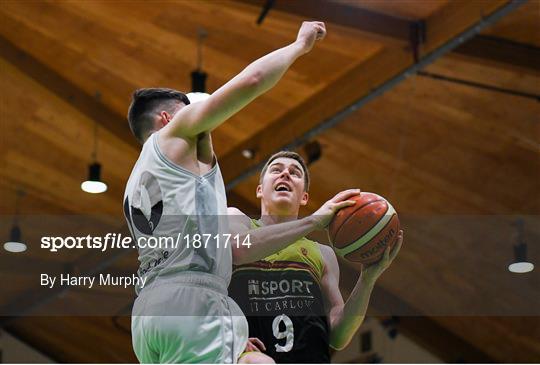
{"x":291,"y":298}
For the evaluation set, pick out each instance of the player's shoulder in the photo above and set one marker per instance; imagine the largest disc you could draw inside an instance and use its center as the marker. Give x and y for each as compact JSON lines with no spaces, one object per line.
{"x":234,"y":211}
{"x":237,"y":217}
{"x":326,"y":250}
{"x":328,"y":255}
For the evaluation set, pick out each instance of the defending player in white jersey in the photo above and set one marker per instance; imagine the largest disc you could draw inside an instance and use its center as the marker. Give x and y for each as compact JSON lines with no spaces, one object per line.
{"x":183,"y":313}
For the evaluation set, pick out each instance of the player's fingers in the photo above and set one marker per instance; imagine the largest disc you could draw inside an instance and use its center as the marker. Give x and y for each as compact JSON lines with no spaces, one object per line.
{"x":251,"y":346}
{"x":386,"y":256}
{"x":321,"y":32}
{"x":263,"y":348}
{"x":345,"y":194}
{"x":259,"y":344}
{"x":344,"y":204}
{"x":321,"y":24}
{"x":397,"y":247}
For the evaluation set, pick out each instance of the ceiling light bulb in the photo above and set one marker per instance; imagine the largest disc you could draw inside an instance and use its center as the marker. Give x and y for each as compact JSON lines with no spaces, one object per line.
{"x":521,"y":267}
{"x":247,"y":153}
{"x":14,"y":244}
{"x":94,"y":185}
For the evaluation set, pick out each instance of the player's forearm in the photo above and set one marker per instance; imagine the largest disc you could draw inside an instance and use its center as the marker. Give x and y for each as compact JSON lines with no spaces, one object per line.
{"x":254,"y":80}
{"x":345,"y":321}
{"x":270,"y":239}
{"x":269,"y":69}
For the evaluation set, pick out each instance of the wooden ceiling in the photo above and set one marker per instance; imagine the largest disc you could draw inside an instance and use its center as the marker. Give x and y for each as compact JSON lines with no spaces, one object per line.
{"x":455,"y":148}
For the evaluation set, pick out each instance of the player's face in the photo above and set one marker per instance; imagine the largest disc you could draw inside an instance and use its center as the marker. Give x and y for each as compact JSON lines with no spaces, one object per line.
{"x":283,"y":184}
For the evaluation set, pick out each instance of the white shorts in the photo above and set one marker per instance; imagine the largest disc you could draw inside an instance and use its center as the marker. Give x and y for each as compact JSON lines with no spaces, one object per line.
{"x":188,"y":318}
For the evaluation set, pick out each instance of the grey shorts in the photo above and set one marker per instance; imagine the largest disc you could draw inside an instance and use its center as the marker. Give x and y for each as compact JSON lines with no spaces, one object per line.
{"x":187,"y":318}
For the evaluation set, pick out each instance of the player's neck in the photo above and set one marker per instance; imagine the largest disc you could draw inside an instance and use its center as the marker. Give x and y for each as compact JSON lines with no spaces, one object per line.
{"x":269,"y":216}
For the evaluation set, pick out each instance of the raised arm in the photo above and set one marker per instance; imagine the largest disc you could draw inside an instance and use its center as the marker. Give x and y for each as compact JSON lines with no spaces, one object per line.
{"x":254,"y":80}
{"x":346,"y":318}
{"x":272,"y":238}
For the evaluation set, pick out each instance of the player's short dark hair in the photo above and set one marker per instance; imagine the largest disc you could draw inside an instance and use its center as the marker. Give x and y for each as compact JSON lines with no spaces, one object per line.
{"x":141,"y":112}
{"x":294,"y":156}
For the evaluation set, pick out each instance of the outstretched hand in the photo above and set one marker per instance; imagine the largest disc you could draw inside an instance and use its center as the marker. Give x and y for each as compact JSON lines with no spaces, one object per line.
{"x":327,"y":211}
{"x":309,"y":33}
{"x":372,"y":272}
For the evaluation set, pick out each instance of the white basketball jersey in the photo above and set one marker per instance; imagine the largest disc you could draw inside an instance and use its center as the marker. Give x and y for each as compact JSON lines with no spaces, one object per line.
{"x":167,"y":202}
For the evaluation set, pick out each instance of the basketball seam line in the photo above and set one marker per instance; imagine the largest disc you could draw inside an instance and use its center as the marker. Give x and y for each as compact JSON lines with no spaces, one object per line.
{"x":356,"y":210}
{"x":390,"y":212}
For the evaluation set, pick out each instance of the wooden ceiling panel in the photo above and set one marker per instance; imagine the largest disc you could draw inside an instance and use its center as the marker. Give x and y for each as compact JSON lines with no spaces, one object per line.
{"x":483,"y":158}
{"x":457,"y":15}
{"x":520,"y":26}
{"x":60,"y":137}
{"x":30,"y":204}
{"x":99,"y":54}
{"x":279,"y":28}
{"x":459,"y":67}
{"x":410,"y":9}
{"x":45,"y":40}
{"x":229,"y":35}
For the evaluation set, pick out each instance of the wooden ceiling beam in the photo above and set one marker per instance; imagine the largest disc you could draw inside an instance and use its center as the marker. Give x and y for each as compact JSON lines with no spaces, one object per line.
{"x":383,"y":27}
{"x":67,"y":91}
{"x":496,"y":50}
{"x":351,"y":85}
{"x":360,"y":84}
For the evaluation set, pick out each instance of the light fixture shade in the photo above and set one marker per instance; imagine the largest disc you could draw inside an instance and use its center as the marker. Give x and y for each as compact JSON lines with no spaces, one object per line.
{"x":520,"y":264}
{"x":94,"y":185}
{"x":195,"y":97}
{"x":521,"y":267}
{"x":198,"y":81}
{"x":14,"y":244}
{"x":15,"y":234}
{"x":313,"y":151}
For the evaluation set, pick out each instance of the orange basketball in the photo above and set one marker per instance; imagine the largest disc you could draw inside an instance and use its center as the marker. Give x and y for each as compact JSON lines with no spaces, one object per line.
{"x":360,"y":233}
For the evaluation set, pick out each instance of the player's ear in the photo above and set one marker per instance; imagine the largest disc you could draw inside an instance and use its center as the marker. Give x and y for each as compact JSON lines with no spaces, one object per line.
{"x":305,"y":198}
{"x":258,"y":191}
{"x":164,"y":118}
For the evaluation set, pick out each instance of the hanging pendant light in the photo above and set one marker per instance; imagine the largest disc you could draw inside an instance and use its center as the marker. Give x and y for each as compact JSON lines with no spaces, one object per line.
{"x":94,"y":185}
{"x":520,"y":265}
{"x":198,"y":76}
{"x":15,"y":243}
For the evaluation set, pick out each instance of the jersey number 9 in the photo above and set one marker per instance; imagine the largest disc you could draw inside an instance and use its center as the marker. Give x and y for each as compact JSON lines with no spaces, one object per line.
{"x":288,"y":333}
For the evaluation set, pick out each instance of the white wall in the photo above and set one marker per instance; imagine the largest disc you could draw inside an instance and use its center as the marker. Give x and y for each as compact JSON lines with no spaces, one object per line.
{"x":397,"y":350}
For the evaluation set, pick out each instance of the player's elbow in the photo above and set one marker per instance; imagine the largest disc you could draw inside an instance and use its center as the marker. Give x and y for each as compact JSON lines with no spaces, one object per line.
{"x":255,"y":79}
{"x":339,"y":344}
{"x":337,"y":347}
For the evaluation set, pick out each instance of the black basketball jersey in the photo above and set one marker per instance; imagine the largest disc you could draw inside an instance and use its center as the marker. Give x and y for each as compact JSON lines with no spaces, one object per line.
{"x":282,"y":300}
